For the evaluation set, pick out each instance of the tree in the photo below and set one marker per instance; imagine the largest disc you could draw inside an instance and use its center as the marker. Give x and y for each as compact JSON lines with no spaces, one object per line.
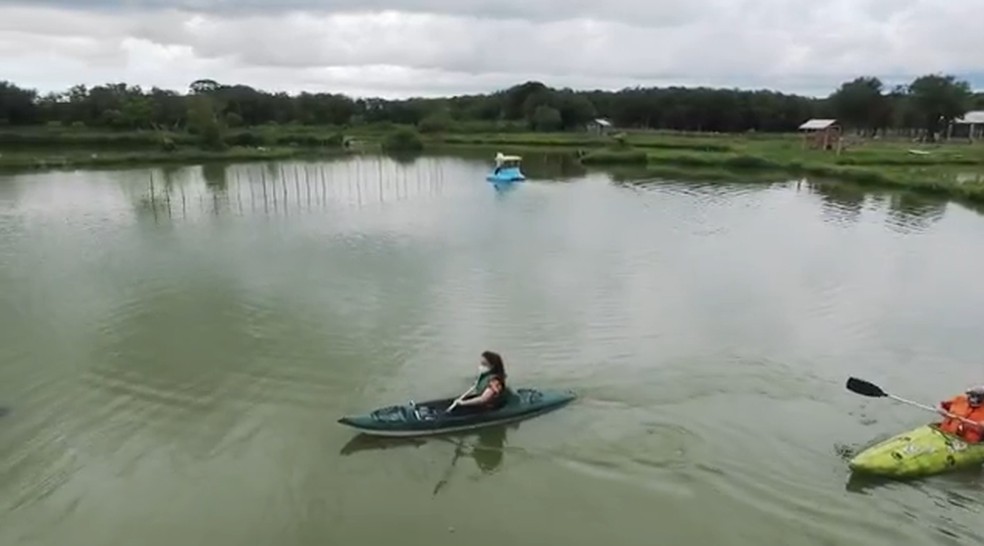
{"x":17,"y":106}
{"x":169,"y":108}
{"x":860,"y":103}
{"x":403,"y":140}
{"x":575,"y":110}
{"x":546,"y":118}
{"x":203,"y":120}
{"x":137,"y":112}
{"x":438,"y":122}
{"x":515,"y":99}
{"x":202,"y":87}
{"x":928,"y":103}
{"x":903,"y":116}
{"x":937,"y":100}
{"x":978,"y":101}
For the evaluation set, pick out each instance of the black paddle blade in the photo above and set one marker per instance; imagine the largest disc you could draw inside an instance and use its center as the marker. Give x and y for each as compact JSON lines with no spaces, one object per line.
{"x":864,"y":388}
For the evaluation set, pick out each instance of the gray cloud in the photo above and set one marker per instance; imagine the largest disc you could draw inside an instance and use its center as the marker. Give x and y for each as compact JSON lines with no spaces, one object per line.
{"x":441,"y":46}
{"x":663,"y":12}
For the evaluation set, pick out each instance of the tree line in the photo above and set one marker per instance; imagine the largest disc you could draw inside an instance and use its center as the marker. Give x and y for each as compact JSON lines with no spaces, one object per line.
{"x":923,"y":107}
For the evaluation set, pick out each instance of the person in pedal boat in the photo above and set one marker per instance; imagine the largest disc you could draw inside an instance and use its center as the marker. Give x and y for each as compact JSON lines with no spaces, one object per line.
{"x":489,"y":391}
{"x":969,"y":405}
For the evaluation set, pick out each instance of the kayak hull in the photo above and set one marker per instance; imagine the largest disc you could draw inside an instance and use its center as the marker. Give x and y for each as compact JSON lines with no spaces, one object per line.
{"x":923,"y":451}
{"x":430,"y":419}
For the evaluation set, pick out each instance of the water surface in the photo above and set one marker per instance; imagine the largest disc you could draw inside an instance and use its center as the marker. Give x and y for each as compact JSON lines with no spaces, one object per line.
{"x":176,"y":345}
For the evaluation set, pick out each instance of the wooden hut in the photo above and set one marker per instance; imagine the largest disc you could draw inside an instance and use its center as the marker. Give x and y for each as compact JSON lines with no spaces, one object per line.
{"x":821,"y":134}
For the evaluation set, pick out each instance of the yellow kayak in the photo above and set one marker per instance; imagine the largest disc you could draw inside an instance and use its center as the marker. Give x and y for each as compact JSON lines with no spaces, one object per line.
{"x":923,"y":451}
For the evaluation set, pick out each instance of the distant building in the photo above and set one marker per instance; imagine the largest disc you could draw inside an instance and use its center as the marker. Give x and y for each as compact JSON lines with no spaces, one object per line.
{"x":600,"y":126}
{"x":971,"y":126}
{"x":821,"y":134}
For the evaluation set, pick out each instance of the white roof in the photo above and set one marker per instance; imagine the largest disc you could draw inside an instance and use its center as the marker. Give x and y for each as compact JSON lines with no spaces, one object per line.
{"x":500,"y":157}
{"x":603,"y":122}
{"x":975,"y":117}
{"x":818,"y":124}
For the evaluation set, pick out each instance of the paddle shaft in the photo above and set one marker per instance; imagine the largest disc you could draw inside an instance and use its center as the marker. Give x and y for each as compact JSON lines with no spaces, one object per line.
{"x":934,"y":410}
{"x":458,"y":446}
{"x":460,"y":398}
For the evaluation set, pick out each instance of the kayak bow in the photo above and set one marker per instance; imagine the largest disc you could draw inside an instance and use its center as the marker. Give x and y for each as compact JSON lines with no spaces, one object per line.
{"x":430,"y":418}
{"x":923,"y":451}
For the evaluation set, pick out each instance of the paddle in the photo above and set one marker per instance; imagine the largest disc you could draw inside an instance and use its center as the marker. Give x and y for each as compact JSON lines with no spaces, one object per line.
{"x":866,"y":388}
{"x":458,"y":446}
{"x":458,"y":451}
{"x":459,"y":399}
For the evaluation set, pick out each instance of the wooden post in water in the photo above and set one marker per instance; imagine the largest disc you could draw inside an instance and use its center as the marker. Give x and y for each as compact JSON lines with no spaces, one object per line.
{"x":324,"y":189}
{"x":297,"y":186}
{"x":266,"y":203}
{"x":153,"y":198}
{"x":283,"y":186}
{"x":307,"y":184}
{"x":167,"y":196}
{"x":239,"y":192}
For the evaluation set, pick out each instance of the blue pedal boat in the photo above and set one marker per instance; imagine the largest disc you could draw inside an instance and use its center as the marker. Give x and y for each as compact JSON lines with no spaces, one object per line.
{"x":507,"y":169}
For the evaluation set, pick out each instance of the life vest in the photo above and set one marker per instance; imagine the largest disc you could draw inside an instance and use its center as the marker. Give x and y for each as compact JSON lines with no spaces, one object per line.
{"x":483,"y":383}
{"x":961,"y":407}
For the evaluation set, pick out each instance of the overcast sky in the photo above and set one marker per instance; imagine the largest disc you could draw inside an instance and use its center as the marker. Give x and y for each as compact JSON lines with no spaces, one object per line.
{"x":396,"y":48}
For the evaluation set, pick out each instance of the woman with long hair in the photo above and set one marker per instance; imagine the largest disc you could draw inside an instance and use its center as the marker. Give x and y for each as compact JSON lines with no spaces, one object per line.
{"x":489,"y":391}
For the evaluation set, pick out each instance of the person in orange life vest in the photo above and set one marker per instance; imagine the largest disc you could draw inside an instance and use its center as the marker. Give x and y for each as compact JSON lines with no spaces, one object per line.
{"x":969,"y":405}
{"x":489,"y":391}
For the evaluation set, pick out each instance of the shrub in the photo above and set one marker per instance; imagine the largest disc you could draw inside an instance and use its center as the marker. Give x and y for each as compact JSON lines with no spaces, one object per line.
{"x":403,"y":140}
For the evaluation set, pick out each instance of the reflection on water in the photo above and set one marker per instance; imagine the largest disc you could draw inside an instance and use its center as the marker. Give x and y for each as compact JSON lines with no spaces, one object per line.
{"x":487,"y":450}
{"x":949,"y":488}
{"x":628,"y":175}
{"x":404,"y":157}
{"x":842,"y":203}
{"x":706,"y":191}
{"x":941,"y":504}
{"x":502,"y":188}
{"x":214,"y":175}
{"x":537,"y":166}
{"x":909,"y":213}
{"x":283,"y":188}
{"x":557,"y":167}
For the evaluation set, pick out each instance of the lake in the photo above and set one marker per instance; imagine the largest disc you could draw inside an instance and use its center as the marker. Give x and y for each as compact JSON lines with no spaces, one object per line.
{"x":177,"y":344}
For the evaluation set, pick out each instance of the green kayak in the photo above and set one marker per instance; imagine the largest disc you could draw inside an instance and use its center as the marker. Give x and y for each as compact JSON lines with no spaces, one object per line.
{"x":919,"y":452}
{"x":430,"y":418}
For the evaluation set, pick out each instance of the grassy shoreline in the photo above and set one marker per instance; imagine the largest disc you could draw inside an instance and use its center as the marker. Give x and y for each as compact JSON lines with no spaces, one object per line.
{"x":932,"y":169}
{"x":75,"y":160}
{"x":877,"y":163}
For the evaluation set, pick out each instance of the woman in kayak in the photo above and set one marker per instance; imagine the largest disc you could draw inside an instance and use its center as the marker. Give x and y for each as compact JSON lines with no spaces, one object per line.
{"x":970,"y":406}
{"x":489,"y":391}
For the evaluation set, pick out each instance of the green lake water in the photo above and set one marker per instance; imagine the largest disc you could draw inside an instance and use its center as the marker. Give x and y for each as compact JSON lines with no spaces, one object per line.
{"x":177,"y":344}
